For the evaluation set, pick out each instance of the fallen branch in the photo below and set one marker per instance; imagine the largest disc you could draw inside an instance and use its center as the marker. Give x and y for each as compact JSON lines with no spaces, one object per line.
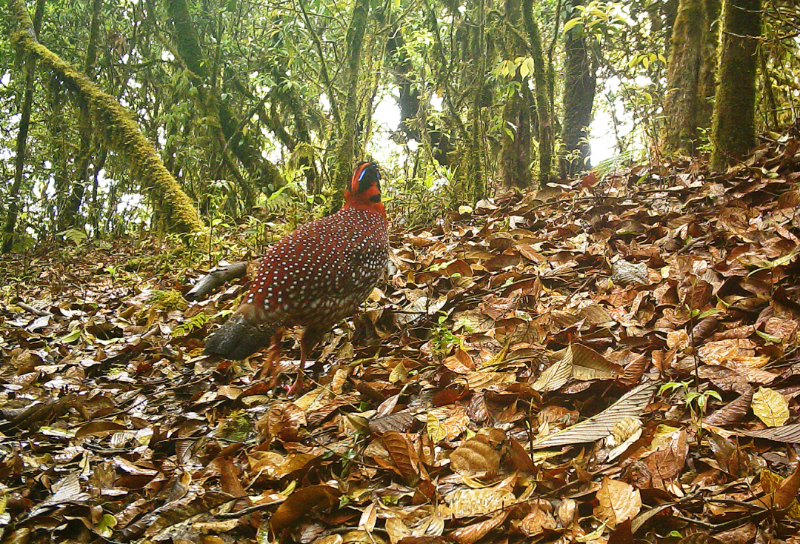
{"x":215,"y":278}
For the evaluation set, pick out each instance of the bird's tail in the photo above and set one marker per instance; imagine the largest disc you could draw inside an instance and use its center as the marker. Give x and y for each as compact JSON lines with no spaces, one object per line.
{"x":242,"y":335}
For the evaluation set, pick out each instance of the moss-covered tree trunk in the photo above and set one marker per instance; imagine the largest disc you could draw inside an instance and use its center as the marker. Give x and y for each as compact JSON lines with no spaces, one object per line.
{"x":515,"y":151}
{"x":708,"y":65}
{"x":301,"y":147}
{"x":663,"y":16}
{"x":734,"y":132}
{"x":407,"y":94}
{"x":266,"y":175}
{"x":413,"y":111}
{"x":579,"y":89}
{"x":690,"y":80}
{"x":115,"y":126}
{"x":544,"y":107}
{"x":22,"y":137}
{"x":475,"y":51}
{"x":345,"y":144}
{"x":69,"y":212}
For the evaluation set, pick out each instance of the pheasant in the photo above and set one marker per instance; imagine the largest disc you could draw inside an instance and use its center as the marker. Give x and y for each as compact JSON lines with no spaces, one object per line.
{"x":315,"y":277}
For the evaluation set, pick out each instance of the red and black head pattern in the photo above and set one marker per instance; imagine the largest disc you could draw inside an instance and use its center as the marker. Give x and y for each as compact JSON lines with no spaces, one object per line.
{"x":365,"y":188}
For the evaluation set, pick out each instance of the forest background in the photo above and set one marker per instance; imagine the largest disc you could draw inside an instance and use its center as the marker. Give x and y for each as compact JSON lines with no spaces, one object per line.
{"x":180,"y":116}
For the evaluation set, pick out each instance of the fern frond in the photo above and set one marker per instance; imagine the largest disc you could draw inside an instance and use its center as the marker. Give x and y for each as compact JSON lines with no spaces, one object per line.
{"x":192,"y":324}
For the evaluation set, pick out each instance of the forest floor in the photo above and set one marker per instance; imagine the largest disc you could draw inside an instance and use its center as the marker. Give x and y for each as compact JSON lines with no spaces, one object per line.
{"x":611,"y":359}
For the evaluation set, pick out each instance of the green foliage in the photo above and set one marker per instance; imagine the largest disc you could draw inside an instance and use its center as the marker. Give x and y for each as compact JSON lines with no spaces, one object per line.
{"x":167,"y":300}
{"x":611,"y":164}
{"x":424,"y":199}
{"x":76,"y":236}
{"x":236,"y":427}
{"x":601,"y":19}
{"x":194,"y":323}
{"x":696,"y":401}
{"x":443,"y":338}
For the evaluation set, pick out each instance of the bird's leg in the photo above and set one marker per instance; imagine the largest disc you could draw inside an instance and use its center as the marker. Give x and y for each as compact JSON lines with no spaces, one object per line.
{"x":273,"y":356}
{"x":311,"y":337}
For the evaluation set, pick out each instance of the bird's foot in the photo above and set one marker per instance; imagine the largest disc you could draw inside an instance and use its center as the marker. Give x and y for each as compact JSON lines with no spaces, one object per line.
{"x":299,"y":384}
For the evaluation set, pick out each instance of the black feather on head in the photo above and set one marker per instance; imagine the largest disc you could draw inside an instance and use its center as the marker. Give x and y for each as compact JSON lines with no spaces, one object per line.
{"x":366,"y":175}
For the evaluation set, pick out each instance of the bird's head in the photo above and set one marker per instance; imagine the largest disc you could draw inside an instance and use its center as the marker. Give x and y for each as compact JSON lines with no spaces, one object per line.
{"x":365,"y":189}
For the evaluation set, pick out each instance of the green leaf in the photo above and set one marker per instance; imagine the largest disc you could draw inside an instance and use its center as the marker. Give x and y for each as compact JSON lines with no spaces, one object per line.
{"x":670,"y":386}
{"x":715,"y":394}
{"x":769,"y":338}
{"x":71,"y":337}
{"x":106,"y":525}
{"x":572,"y":23}
{"x":709,"y":312}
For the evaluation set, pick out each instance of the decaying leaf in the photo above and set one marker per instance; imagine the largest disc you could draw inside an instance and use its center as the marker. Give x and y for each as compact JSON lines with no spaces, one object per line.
{"x":302,"y":502}
{"x":481,"y":453}
{"x":780,"y":496}
{"x":597,"y":427}
{"x":619,"y":501}
{"x":771,"y":407}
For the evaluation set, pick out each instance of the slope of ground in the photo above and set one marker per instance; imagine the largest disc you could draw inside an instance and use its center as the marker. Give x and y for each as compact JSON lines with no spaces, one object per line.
{"x":607,"y":360}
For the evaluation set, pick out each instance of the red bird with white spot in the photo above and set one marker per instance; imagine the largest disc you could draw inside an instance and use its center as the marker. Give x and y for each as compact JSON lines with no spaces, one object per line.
{"x":315,"y":277}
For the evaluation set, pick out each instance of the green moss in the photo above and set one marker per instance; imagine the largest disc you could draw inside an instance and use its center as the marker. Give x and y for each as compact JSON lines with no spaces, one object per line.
{"x":117,"y":127}
{"x":733,"y":133}
{"x":235,"y":427}
{"x":167,"y":300}
{"x":159,"y":261}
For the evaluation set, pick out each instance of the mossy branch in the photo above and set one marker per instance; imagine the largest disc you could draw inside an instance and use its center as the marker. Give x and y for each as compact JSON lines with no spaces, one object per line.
{"x":117,"y":128}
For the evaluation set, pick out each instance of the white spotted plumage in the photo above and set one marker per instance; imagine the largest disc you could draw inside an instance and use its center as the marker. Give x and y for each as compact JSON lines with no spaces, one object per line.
{"x":330,"y":264}
{"x":316,"y":276}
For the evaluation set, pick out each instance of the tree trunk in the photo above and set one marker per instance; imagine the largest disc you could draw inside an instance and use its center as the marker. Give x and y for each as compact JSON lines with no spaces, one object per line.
{"x":733,"y":133}
{"x":707,"y":86}
{"x":515,"y":152}
{"x":579,"y":88}
{"x":302,"y":149}
{"x":408,"y":95}
{"x":543,"y":104}
{"x":476,"y":51}
{"x":94,"y":211}
{"x":666,"y":14}
{"x":266,"y":175}
{"x":116,"y":127}
{"x":22,"y":138}
{"x":68,"y":214}
{"x":690,"y":80}
{"x":345,"y":145}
